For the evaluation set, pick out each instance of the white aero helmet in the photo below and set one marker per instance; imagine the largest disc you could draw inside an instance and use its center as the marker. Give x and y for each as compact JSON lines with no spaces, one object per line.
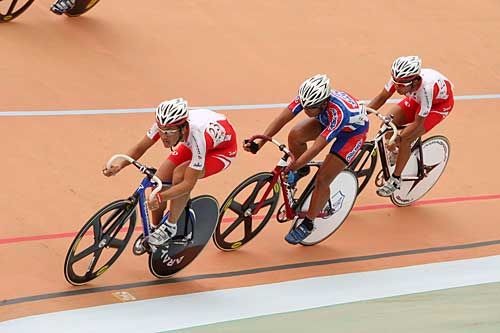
{"x":172,"y":112}
{"x":404,"y":67}
{"x":314,"y":90}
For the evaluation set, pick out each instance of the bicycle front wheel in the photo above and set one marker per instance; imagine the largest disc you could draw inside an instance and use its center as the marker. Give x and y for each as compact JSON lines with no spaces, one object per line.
{"x":110,"y":228}
{"x":238,"y":223}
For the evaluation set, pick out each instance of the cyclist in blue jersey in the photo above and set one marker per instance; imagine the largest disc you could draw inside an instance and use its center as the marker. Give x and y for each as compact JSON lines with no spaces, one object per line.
{"x":332,"y":114}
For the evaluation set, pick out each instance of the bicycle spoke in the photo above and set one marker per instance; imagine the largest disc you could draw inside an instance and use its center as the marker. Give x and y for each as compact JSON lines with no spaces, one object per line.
{"x":97,"y":232}
{"x":255,"y":191}
{"x":116,"y":243}
{"x":11,"y":8}
{"x":268,"y":202}
{"x":97,"y":254}
{"x":85,"y":253}
{"x":110,"y":218}
{"x":248,"y":228}
{"x":117,"y":215}
{"x":233,"y":226}
{"x":236,"y":207}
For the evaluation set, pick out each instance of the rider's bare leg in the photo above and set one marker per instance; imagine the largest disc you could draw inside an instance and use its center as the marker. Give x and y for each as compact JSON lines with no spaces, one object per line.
{"x":330,"y":168}
{"x":405,"y":150}
{"x":165,"y":173}
{"x":305,"y":131}
{"x":178,"y":204}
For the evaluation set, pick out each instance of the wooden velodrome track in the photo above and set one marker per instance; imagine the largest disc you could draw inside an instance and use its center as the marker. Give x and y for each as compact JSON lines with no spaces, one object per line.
{"x":126,"y":55}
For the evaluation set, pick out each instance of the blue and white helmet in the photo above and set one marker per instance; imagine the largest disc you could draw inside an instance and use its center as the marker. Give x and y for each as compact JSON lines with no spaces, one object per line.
{"x":314,"y":90}
{"x":172,"y":112}
{"x":405,"y":67}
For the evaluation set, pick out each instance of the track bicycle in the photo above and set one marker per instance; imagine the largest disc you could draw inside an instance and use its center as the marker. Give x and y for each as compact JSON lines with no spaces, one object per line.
{"x":250,"y":206}
{"x":426,"y":164}
{"x":103,"y":238}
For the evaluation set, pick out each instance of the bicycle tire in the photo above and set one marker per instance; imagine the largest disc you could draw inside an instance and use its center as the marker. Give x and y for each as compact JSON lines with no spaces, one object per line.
{"x":169,"y":259}
{"x":343,"y":190}
{"x":121,"y":212}
{"x":220,"y":237}
{"x":420,"y":188}
{"x":11,"y":14}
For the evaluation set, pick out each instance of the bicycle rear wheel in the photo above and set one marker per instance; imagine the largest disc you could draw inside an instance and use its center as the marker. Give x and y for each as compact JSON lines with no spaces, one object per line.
{"x":9,"y":11}
{"x":107,"y":229}
{"x":179,"y":252}
{"x":343,"y":191}
{"x":436,"y":152}
{"x":238,"y":224}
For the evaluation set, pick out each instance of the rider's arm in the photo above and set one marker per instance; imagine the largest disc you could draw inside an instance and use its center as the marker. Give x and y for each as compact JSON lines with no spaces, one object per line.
{"x":380,"y":99}
{"x":310,"y":153}
{"x":138,"y":150}
{"x":413,"y":130}
{"x":277,"y":124}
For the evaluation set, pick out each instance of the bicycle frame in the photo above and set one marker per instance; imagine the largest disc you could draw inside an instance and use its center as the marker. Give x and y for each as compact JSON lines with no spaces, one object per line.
{"x":139,"y":196}
{"x":290,"y":204}
{"x":378,"y":144}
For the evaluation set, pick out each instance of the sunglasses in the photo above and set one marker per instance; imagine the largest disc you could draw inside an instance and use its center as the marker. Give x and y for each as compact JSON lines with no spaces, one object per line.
{"x":169,"y":131}
{"x":402,"y":84}
{"x":316,"y":106}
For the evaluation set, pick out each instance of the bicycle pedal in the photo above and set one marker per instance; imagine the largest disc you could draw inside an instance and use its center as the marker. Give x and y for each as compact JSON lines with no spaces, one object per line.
{"x":329,"y":212}
{"x":140,"y":246}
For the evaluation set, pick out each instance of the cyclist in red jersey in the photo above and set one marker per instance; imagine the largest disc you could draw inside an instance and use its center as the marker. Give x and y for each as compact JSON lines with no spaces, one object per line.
{"x":428,"y":100}
{"x":208,"y":146}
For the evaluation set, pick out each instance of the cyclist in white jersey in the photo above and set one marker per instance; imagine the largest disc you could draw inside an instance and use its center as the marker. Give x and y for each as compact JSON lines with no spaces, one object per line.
{"x":428,"y":100}
{"x":208,"y":146}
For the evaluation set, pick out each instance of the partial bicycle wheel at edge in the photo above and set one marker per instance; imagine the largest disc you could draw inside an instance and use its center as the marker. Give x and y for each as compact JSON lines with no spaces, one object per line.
{"x":107,"y":229}
{"x":81,"y":7}
{"x":238,"y":224}
{"x":9,"y":11}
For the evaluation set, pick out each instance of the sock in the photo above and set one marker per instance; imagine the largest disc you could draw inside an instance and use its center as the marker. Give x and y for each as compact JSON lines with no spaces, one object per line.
{"x":308,"y":223}
{"x":397,"y":177}
{"x":172,"y":227}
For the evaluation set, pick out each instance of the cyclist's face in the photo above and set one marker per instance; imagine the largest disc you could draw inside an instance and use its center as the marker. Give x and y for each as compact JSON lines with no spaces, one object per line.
{"x":315,"y":110}
{"x":169,"y":135}
{"x":405,"y":86}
